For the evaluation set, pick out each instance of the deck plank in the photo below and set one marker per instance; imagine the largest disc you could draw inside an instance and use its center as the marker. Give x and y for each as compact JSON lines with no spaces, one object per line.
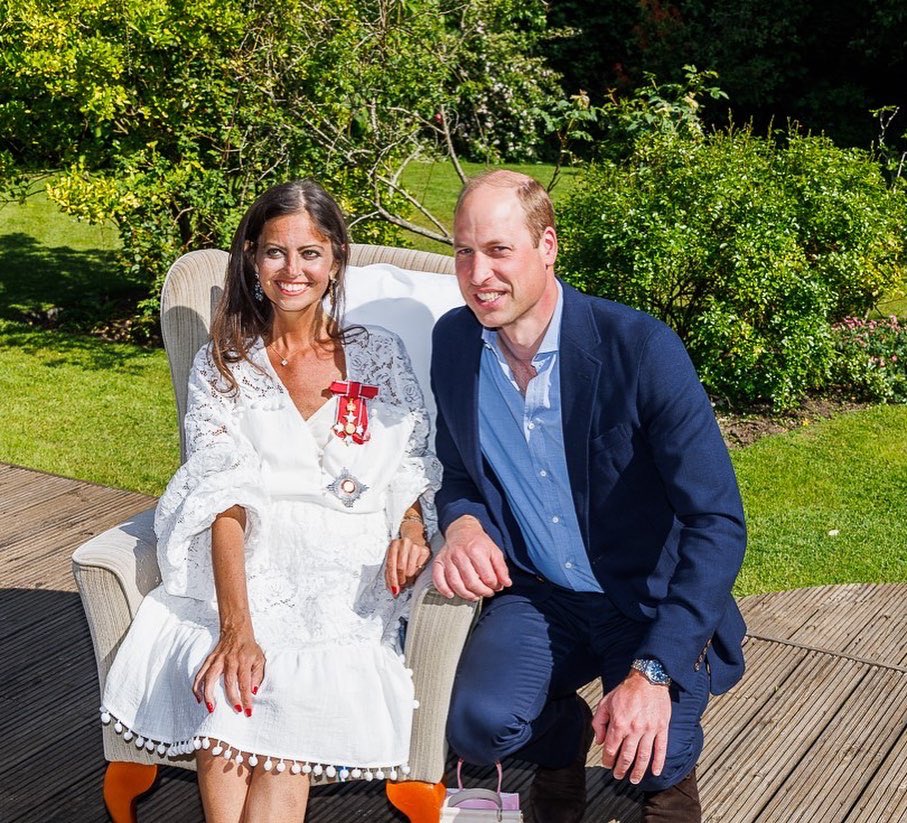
{"x":829,"y":776}
{"x":885,"y":797}
{"x":816,"y":730}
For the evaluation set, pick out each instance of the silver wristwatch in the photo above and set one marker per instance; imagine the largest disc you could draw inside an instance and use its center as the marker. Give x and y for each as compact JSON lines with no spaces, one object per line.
{"x":652,"y":670}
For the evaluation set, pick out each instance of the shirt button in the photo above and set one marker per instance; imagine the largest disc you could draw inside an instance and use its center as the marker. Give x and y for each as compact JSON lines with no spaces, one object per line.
{"x":530,"y":425}
{"x":568,"y":565}
{"x":543,"y":473}
{"x":555,"y":519}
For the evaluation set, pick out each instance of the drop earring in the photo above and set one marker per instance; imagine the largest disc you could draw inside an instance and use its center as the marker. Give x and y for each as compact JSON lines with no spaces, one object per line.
{"x":257,"y":291}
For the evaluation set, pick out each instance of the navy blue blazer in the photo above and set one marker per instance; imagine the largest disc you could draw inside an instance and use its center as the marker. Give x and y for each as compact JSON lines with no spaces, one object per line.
{"x":652,"y":483}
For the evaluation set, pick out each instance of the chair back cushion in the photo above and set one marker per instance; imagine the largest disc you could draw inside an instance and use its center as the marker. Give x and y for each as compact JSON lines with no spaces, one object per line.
{"x":386,"y":286}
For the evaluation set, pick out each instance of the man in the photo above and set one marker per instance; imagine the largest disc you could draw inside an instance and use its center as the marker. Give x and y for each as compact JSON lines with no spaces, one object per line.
{"x":588,"y":495}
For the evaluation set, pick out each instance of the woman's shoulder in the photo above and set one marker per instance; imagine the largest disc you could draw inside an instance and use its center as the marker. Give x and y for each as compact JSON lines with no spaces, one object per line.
{"x":247,"y":369}
{"x":204,"y":357}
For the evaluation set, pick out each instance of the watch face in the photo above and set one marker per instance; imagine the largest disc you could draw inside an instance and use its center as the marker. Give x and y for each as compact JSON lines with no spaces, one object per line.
{"x":653,"y":671}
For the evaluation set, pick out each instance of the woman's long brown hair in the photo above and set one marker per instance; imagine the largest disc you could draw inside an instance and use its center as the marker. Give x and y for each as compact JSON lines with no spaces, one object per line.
{"x":239,"y":318}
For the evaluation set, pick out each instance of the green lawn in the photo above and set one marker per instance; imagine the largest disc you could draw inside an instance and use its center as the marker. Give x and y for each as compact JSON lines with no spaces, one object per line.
{"x":437,"y":185}
{"x":73,"y":405}
{"x":48,"y":259}
{"x":895,"y":305}
{"x":70,"y":403}
{"x":76,"y":406}
{"x":827,"y":503}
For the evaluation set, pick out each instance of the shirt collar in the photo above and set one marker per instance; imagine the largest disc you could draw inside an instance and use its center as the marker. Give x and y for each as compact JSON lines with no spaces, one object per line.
{"x":550,"y":341}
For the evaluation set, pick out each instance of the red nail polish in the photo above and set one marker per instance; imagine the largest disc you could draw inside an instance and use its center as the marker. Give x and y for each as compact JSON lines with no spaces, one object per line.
{"x":255,"y":690}
{"x":248,"y":712}
{"x":237,"y":707}
{"x":209,"y":706}
{"x":395,"y":591}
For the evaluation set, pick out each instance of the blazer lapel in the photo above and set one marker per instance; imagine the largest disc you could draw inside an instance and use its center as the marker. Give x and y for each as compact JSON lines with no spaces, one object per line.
{"x":579,"y":375}
{"x":464,"y":424}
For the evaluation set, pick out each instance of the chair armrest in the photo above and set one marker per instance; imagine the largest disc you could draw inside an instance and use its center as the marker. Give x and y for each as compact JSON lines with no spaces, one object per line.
{"x":435,"y":637}
{"x":114,"y":571}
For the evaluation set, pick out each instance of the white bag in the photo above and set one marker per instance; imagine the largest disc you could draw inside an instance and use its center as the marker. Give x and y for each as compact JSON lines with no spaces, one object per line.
{"x":480,"y":805}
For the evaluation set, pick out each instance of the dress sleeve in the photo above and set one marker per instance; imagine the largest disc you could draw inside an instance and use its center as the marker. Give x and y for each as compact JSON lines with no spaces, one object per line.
{"x":419,"y":473}
{"x":222,"y":469}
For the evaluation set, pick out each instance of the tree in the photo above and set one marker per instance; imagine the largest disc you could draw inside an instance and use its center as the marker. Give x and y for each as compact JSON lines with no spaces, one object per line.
{"x":823,"y":63}
{"x":169,"y":117}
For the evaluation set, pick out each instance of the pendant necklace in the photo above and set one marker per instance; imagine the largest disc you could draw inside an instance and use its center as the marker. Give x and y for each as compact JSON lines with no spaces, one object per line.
{"x":283,"y":360}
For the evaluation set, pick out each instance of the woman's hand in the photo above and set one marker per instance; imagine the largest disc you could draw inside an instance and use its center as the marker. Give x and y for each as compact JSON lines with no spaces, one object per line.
{"x":240,"y":661}
{"x":406,"y":557}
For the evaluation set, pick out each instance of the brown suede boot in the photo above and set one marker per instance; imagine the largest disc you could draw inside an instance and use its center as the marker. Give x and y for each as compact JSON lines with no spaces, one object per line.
{"x":559,"y":795}
{"x":679,"y":804}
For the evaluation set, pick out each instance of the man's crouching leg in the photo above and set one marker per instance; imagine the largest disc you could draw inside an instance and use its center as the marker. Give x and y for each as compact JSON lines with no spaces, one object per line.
{"x":558,"y":792}
{"x":518,"y":656}
{"x":676,"y":804}
{"x":673,"y":796}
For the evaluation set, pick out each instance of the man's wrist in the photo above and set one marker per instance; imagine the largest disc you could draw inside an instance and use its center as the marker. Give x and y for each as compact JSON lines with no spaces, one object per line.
{"x":464,"y":523}
{"x":652,"y":670}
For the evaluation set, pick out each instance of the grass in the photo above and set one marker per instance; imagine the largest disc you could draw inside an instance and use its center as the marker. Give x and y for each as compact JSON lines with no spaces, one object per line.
{"x":895,"y":305}
{"x":827,"y":503}
{"x":436,"y":185}
{"x":70,"y":403}
{"x":74,"y":405}
{"x":49,"y":260}
{"x":77,"y":406}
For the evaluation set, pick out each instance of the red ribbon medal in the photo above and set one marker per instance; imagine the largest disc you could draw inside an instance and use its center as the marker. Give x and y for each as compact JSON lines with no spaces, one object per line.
{"x":352,"y":412}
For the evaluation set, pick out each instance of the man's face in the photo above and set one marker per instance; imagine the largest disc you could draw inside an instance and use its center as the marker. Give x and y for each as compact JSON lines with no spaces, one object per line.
{"x":502,"y":274}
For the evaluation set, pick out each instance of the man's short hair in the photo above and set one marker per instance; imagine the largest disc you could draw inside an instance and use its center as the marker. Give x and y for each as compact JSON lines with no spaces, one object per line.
{"x":537,"y":208}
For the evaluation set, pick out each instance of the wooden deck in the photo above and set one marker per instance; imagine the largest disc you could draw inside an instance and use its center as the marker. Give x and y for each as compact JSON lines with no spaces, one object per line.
{"x":816,"y":731}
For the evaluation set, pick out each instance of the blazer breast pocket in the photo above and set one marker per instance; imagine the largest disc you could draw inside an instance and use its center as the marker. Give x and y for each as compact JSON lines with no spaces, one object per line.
{"x":610,"y":454}
{"x":611,"y":438}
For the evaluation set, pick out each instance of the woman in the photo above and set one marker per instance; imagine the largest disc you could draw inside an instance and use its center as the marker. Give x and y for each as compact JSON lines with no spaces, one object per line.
{"x":287,"y":536}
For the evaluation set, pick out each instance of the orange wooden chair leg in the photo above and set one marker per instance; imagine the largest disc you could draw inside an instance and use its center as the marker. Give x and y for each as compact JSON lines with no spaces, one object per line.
{"x":123,"y":784}
{"x":420,"y":802}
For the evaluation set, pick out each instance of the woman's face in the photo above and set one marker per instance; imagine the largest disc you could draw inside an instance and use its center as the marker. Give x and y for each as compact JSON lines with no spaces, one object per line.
{"x":294,"y":262}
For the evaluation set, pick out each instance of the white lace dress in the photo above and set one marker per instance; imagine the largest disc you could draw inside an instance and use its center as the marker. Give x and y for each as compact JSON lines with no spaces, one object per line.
{"x":336,"y":697}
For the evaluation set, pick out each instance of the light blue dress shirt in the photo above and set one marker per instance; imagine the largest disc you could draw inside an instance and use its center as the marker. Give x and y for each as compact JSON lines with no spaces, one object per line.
{"x":523,"y":441}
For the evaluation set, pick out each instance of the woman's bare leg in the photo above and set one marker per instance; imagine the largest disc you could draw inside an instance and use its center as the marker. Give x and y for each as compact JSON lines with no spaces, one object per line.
{"x":276,"y":795}
{"x":224,"y":787}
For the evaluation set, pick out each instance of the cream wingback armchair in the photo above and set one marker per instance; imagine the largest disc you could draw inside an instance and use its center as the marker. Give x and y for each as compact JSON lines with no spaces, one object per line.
{"x":118,"y":567}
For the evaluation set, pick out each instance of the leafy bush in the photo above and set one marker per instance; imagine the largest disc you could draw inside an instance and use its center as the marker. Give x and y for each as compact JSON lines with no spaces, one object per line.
{"x":169,"y":118}
{"x":749,"y":247}
{"x":502,"y":89}
{"x":824,"y":63}
{"x":872,"y":358}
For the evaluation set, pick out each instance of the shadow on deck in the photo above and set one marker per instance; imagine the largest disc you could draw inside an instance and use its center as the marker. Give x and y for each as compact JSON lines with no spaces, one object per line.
{"x":816,"y":731}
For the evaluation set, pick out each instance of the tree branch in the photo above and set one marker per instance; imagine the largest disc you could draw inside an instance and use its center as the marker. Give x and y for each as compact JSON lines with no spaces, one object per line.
{"x":451,"y":151}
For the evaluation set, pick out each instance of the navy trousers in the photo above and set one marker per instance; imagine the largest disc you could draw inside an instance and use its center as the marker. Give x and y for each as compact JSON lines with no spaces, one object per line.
{"x":534,"y":645}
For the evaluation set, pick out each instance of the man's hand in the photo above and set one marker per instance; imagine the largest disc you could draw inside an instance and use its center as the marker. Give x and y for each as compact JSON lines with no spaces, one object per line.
{"x":632,"y":724}
{"x":469,"y":564}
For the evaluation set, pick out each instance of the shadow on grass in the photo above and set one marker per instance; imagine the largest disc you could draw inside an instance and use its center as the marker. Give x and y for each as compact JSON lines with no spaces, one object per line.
{"x":59,"y":348}
{"x":61,"y":286}
{"x":51,"y":297}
